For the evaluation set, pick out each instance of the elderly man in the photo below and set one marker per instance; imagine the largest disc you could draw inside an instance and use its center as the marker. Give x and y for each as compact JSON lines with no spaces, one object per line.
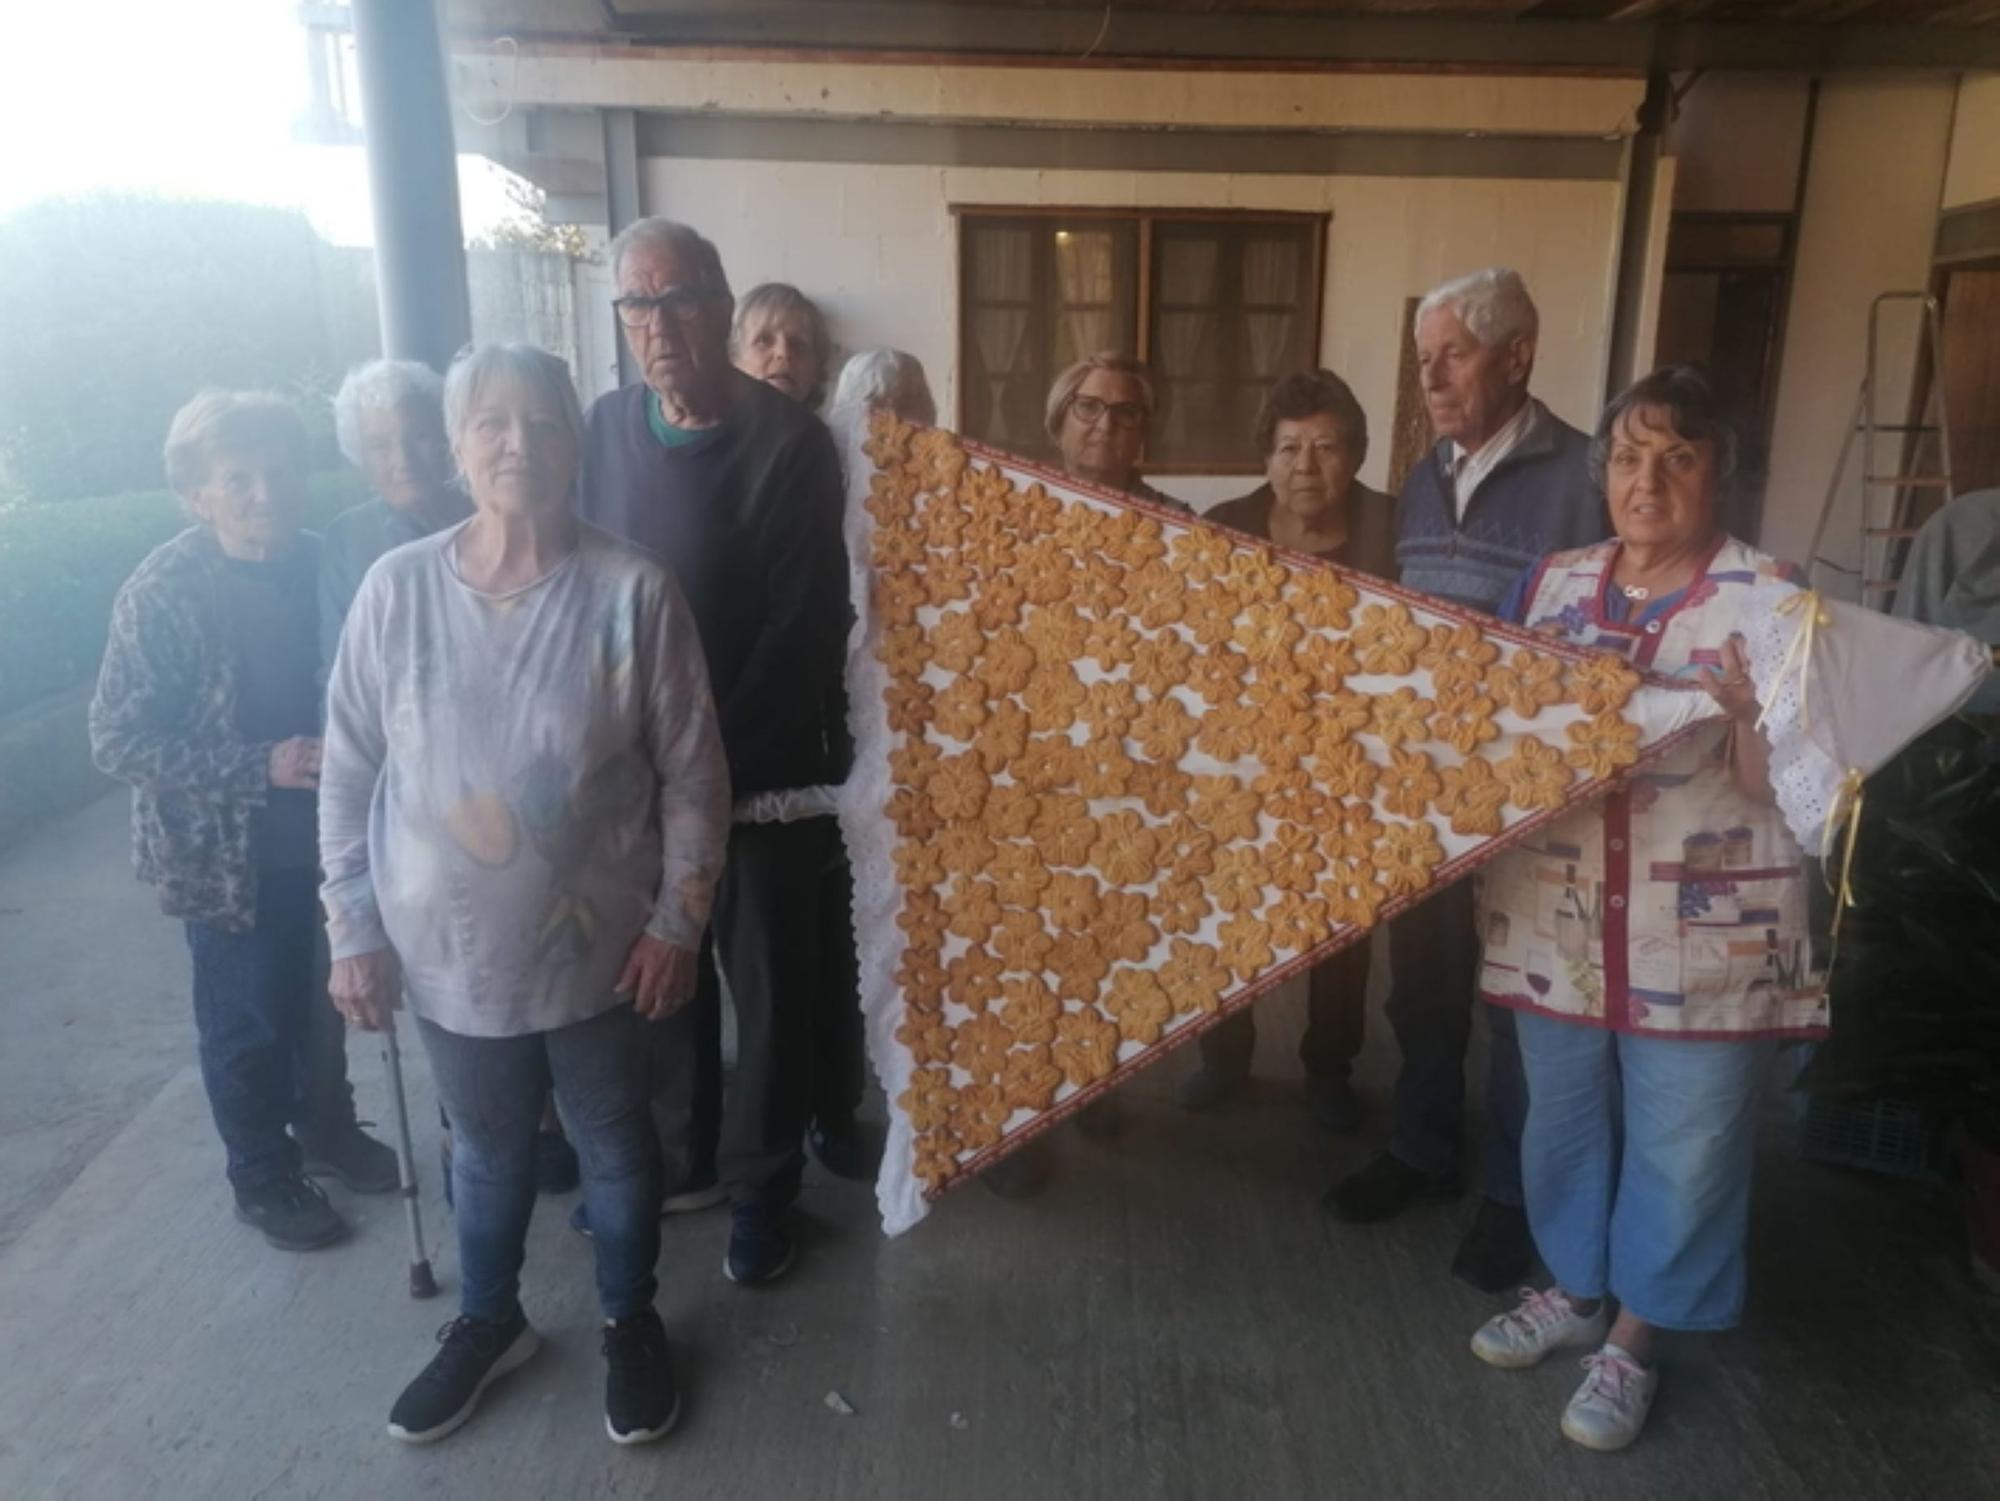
{"x":1099,"y":412}
{"x":1507,"y":483}
{"x":737,"y":487}
{"x":208,"y":704}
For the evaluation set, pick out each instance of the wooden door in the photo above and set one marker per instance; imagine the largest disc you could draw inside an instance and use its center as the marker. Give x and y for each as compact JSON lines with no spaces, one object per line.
{"x":1972,"y":376}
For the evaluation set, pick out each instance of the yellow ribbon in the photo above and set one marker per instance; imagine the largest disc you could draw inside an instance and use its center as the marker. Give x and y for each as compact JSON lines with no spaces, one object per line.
{"x":1843,"y":817}
{"x":1798,"y":656}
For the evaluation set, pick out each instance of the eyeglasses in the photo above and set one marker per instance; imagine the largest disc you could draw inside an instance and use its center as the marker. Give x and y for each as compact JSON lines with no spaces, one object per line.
{"x":1125,"y":414}
{"x":682,"y":305}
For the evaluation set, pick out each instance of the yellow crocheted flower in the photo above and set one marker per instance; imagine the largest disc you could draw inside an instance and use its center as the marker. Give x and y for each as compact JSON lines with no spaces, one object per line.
{"x":1086,"y":1047}
{"x":1163,"y":729}
{"x":1602,"y":684}
{"x":1007,"y":662}
{"x":1072,"y":900}
{"x":1031,"y":1078}
{"x":1157,"y":595}
{"x":1019,"y":876}
{"x":1464,"y":720}
{"x":973,"y":979}
{"x":1292,"y":858}
{"x":1406,"y":855}
{"x":1000,"y":736}
{"x":1140,"y":1006}
{"x":1529,"y":683}
{"x":975,"y":910}
{"x":1240,"y":878}
{"x":1224,"y":807}
{"x":1387,"y":640}
{"x":957,"y":641}
{"x":1122,"y":929}
{"x":980,"y":1048}
{"x":1180,"y":906}
{"x":1400,"y":716}
{"x":1409,"y":784}
{"x":1472,"y":797}
{"x":1029,"y":1009}
{"x":1343,"y":769}
{"x":1193,"y":977}
{"x":959,"y":711}
{"x":958,"y":787}
{"x":1352,"y":894}
{"x":1536,"y":776}
{"x":1245,"y":946}
{"x":1126,"y":852}
{"x":1299,"y":920}
{"x":1602,"y":745}
{"x":964,"y":849}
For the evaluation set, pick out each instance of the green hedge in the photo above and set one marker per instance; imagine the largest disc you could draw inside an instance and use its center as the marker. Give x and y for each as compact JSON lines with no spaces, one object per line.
{"x":61,"y":565}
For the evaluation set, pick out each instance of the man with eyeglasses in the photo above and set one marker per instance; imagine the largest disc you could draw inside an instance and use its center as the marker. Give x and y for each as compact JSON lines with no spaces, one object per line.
{"x":1100,"y":411}
{"x":737,"y":487}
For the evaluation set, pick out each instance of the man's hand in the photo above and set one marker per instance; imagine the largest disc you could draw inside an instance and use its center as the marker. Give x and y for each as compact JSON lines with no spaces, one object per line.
{"x":367,"y":989}
{"x":295,"y":763}
{"x":659,"y":977}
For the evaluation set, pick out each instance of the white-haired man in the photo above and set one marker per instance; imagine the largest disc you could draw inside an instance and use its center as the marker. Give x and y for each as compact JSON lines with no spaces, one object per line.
{"x":737,"y":488}
{"x":1507,"y":483}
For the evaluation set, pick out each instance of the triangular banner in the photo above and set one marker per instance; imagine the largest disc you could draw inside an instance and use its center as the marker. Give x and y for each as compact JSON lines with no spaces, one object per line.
{"x":1119,"y":772}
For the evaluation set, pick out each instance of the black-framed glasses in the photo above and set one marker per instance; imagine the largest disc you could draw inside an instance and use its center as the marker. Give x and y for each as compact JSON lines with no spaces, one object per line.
{"x":682,"y":305}
{"x":1125,"y":414}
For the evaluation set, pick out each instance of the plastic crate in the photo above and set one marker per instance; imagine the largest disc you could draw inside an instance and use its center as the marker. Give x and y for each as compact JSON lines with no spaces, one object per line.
{"x":1883,"y":1136}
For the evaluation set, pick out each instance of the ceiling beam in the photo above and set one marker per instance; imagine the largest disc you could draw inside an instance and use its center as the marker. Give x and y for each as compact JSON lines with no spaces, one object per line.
{"x":1112,"y":36}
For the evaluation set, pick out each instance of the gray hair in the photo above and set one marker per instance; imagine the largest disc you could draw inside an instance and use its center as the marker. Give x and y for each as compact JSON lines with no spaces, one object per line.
{"x":670,"y":234}
{"x":886,"y":378}
{"x":534,"y":368}
{"x":1493,"y":304}
{"x":382,"y":386}
{"x":777,"y":299}
{"x":230,"y":422}
{"x":1063,"y":392}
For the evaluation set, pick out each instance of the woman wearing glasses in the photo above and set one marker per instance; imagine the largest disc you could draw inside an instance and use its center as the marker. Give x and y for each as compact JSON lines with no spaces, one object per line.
{"x":1099,"y":412}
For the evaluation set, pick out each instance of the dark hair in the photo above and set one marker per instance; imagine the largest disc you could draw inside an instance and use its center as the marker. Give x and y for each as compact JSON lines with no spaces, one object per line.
{"x":1308,"y":394}
{"x":1694,"y":410}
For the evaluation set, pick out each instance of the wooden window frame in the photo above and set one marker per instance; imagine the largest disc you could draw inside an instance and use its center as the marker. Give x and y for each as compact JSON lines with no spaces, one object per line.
{"x":1315,"y":221}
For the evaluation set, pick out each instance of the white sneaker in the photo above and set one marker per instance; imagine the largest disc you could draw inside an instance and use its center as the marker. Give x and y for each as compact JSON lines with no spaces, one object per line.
{"x":1610,"y":1407}
{"x":1544,"y":1321}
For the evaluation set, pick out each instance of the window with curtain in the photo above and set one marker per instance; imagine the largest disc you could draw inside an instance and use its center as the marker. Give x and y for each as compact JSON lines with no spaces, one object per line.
{"x":1219,"y":306}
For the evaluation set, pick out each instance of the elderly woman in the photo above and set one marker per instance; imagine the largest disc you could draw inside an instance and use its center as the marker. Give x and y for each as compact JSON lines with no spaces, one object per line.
{"x":208,"y":705}
{"x":522,"y":819}
{"x":1653,"y":946}
{"x":779,"y":337}
{"x":389,"y":418}
{"x":1099,"y":412}
{"x":881,"y":380}
{"x":1314,"y":438}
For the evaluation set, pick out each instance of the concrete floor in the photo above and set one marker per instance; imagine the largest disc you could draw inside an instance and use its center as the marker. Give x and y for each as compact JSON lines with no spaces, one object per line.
{"x":1173,"y":1318}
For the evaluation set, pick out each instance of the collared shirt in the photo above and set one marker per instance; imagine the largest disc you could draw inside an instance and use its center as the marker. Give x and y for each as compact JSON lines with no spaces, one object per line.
{"x":1469,"y":470}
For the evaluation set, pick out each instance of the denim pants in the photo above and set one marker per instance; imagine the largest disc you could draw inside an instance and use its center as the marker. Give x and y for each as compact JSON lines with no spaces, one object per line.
{"x":1434,"y":956}
{"x":767,"y":932}
{"x":1336,"y":1022}
{"x":1637,"y":1160}
{"x":273,"y":1050}
{"x":493,"y":1088}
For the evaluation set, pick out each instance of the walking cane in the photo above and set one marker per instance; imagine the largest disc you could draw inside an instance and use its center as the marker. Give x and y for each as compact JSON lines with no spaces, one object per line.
{"x":422,"y":1283}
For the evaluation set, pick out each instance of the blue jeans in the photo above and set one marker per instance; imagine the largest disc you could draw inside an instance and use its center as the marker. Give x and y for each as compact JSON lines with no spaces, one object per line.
{"x":1637,"y":1159}
{"x":273,"y":1050}
{"x":493,"y":1088}
{"x":1434,"y":960}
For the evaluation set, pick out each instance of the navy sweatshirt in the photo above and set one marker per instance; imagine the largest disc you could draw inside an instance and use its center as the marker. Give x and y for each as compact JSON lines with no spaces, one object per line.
{"x":1539,"y":500}
{"x":747,"y":515}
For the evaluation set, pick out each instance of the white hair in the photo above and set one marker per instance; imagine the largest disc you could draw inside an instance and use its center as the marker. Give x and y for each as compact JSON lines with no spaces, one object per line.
{"x":669,"y":234}
{"x":382,"y":386}
{"x":1493,"y":304}
{"x":886,"y":378}
{"x":534,"y":368}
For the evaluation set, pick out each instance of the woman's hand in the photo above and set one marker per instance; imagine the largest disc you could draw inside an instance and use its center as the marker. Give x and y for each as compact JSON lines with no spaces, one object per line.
{"x":295,"y":763}
{"x":1732,"y":690}
{"x":658,"y":976}
{"x":367,"y":989}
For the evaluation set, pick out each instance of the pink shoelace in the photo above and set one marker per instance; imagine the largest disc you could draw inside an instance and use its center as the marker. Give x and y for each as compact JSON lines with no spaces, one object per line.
{"x":1613,"y":1375}
{"x":1540,"y":1310}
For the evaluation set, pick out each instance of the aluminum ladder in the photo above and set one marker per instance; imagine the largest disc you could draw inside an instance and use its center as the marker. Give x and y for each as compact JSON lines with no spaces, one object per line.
{"x":1884,"y":528}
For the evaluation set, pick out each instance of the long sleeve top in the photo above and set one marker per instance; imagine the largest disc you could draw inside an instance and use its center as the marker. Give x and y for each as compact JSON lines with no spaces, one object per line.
{"x":515,"y":786}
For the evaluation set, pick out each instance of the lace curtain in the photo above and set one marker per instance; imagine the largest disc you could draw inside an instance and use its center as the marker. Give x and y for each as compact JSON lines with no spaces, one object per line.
{"x":1002,"y":272}
{"x":1084,"y":276}
{"x":1271,"y":274}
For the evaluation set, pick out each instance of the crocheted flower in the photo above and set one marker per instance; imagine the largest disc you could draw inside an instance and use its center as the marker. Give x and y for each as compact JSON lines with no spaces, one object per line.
{"x":1103,"y":768}
{"x":1058,"y":634}
{"x":898,"y":596}
{"x":1000,"y":735}
{"x":1072,"y":900}
{"x":1163,"y":729}
{"x":1139,"y":1005}
{"x":1464,"y":720}
{"x":927,"y":1036}
{"x":1255,"y":576}
{"x":1323,"y":600}
{"x":1029,"y":1009}
{"x":1399,"y":716}
{"x":1352,"y":893}
{"x":917,"y":865}
{"x":1046,"y":763}
{"x":1329,"y":660}
{"x":1267,"y":633}
{"x":1064,"y":831}
{"x":1180,"y":906}
{"x":1240,"y":878}
{"x":923,"y":918}
{"x":956,"y":641}
{"x":1245,"y":945}
{"x":1340,"y":715}
{"x":1227,"y":734}
{"x":1010,"y":811}
{"x":1007,"y":662}
{"x":1110,"y":705}
{"x":1053,"y":695}
{"x":1472,"y":797}
{"x":1191,"y":850}
{"x":938,"y":459}
{"x":935,"y":1159}
{"x":1163,"y":790}
{"x":1079,"y":964}
{"x":911,"y":812}
{"x":998,"y":605}
{"x":958,"y":787}
{"x":928,"y":1100}
{"x":1406,"y":855}
{"x":921,"y":979}
{"x":1350,"y":833}
{"x":1210,"y":614}
{"x":912,"y":762}
{"x":1343,"y":769}
{"x":1284,"y":741}
{"x":980,"y":1113}
{"x":1019,"y":876}
{"x":1409,"y":784}
{"x":1031,"y":1078}
{"x":1536,"y":776}
{"x":980,"y":1048}
{"x":1387,"y":640}
{"x":947,"y":580}
{"x":964,"y":849}
{"x":959,"y":711}
{"x":1200,"y":553}
{"x":1086,"y":1047}
{"x":975,"y":910}
{"x":1021,"y":941}
{"x":1126,"y":850}
{"x":1292,"y":858}
{"x":1218,"y":674}
{"x":1161,"y":662}
{"x":1157,"y":595}
{"x":1299,"y":919}
{"x":1460,"y":642}
{"x":1225,"y":808}
{"x":1193,"y":977}
{"x":1122,"y":929}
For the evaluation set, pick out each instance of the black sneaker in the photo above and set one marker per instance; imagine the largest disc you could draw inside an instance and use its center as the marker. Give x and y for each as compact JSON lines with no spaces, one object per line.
{"x":556,"y":1170}
{"x":641,"y":1402}
{"x":1384,"y":1189}
{"x":474,"y":1353}
{"x":847,"y":1148}
{"x":760,"y":1250}
{"x":1498,"y":1251}
{"x":293,"y":1214}
{"x":1334,"y":1104}
{"x":361,"y":1163}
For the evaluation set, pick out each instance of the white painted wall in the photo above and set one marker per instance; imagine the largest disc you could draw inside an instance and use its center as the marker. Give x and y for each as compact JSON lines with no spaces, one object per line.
{"x":876,"y":247}
{"x":1973,"y":174}
{"x":1872,"y":196}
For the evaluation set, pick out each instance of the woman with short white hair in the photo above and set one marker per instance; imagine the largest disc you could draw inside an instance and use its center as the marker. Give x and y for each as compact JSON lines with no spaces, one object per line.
{"x":523,"y":810}
{"x":883,"y":380}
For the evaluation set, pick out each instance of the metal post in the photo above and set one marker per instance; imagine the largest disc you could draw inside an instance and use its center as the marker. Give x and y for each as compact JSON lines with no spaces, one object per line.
{"x":1635,"y":234}
{"x":413,"y":181}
